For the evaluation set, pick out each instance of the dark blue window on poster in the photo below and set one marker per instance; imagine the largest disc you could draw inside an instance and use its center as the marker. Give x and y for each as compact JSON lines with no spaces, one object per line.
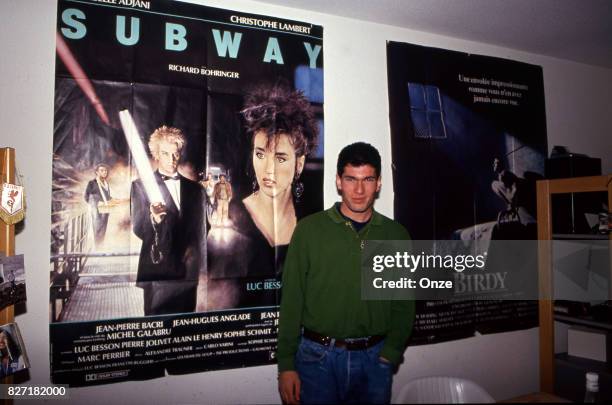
{"x":426,"y":111}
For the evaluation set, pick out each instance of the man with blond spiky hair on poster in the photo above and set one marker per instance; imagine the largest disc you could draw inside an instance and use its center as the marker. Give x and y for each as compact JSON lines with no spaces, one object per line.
{"x":171,"y":230}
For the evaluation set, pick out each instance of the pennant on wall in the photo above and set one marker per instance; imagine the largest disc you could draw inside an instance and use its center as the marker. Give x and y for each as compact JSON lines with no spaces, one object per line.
{"x":12,"y":203}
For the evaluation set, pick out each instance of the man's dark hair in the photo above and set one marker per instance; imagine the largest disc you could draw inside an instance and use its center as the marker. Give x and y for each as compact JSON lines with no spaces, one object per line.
{"x":358,"y":154}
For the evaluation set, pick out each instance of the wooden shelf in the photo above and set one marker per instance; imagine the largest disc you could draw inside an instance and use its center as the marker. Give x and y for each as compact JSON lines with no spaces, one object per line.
{"x":547,"y":317}
{"x":582,"y":321}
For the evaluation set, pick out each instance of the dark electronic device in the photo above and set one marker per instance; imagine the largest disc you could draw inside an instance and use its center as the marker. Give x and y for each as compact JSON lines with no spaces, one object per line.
{"x":569,"y":209}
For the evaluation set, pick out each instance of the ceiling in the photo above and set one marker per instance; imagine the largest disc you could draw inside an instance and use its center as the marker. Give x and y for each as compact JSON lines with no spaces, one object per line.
{"x":578,"y":30}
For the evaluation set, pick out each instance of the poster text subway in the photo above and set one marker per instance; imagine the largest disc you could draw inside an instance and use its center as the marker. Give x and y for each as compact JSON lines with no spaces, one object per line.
{"x":227,"y":43}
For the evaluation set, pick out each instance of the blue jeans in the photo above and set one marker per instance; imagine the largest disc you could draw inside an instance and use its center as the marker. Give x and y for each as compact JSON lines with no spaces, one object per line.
{"x":333,"y":375}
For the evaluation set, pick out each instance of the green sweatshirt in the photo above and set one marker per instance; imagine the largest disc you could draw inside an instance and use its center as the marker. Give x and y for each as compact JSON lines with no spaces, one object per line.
{"x":322,"y":287}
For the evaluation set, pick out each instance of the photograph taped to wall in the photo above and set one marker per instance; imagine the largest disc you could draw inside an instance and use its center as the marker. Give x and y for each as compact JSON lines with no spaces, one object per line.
{"x":12,"y":280}
{"x":176,"y":127}
{"x":12,"y":350}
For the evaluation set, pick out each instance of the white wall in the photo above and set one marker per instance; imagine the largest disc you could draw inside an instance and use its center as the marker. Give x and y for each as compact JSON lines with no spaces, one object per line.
{"x":579,"y":115}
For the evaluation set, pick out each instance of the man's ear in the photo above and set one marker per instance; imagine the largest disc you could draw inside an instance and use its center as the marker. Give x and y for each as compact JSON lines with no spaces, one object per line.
{"x":338,"y":183}
{"x":378,"y":183}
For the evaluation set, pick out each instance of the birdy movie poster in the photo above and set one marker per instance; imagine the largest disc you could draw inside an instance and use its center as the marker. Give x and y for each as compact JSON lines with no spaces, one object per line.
{"x":468,"y":135}
{"x":187,"y":144}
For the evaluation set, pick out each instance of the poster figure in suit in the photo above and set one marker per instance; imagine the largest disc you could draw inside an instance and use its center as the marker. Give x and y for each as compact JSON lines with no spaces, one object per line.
{"x":97,"y":195}
{"x":208,"y":183}
{"x":172,"y":231}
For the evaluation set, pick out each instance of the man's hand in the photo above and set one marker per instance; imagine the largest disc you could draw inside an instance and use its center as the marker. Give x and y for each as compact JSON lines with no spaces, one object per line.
{"x":158,"y":212}
{"x":289,"y":386}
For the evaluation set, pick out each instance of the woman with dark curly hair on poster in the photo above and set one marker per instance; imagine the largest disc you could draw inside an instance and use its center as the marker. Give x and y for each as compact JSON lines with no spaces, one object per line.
{"x":283,"y":131}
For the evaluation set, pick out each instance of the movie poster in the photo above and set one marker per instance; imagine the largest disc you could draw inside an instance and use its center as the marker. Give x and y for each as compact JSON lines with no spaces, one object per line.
{"x":468,"y":137}
{"x":188,"y":141}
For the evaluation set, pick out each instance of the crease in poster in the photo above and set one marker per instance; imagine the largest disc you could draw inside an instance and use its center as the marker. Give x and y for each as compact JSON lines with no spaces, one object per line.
{"x":188,"y":142}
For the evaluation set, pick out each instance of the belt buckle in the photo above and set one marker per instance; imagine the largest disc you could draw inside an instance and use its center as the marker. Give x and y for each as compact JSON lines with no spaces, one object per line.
{"x":357,"y":344}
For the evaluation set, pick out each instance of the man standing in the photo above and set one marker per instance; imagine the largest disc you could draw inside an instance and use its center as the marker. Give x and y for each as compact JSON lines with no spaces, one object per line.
{"x":97,"y":196}
{"x":222,"y":195}
{"x":334,"y":347}
{"x":172,"y":231}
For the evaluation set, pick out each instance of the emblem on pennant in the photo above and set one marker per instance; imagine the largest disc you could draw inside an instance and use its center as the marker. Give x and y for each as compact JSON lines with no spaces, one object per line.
{"x":12,"y":203}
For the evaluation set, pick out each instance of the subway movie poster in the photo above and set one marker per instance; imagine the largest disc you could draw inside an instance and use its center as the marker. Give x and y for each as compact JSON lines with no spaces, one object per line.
{"x":188,"y":141}
{"x":468,"y":137}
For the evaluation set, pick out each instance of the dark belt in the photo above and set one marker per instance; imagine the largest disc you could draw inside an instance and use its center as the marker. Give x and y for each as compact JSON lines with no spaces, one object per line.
{"x":350,"y":344}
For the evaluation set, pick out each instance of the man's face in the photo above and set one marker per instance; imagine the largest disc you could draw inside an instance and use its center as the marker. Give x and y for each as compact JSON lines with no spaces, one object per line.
{"x":102,"y":172}
{"x":358,"y":187}
{"x":168,"y":157}
{"x":222,"y":179}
